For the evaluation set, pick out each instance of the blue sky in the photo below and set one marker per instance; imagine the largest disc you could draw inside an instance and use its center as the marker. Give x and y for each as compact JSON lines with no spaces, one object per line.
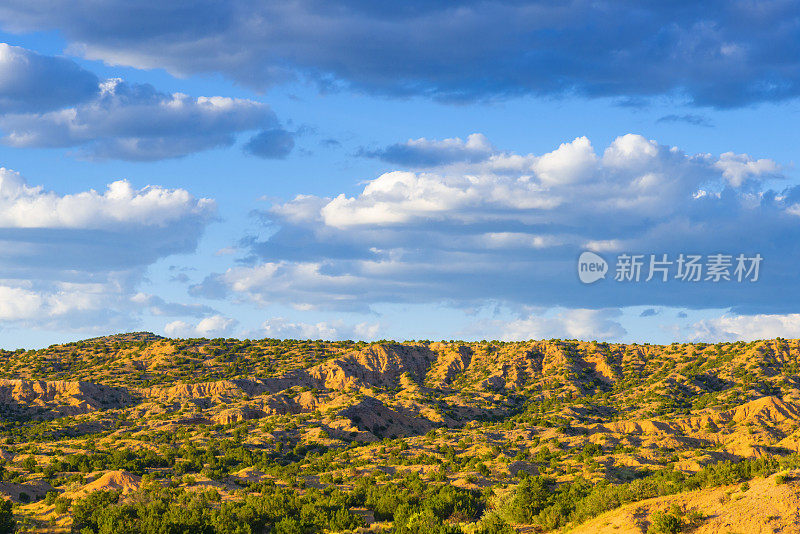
{"x":429,"y":171}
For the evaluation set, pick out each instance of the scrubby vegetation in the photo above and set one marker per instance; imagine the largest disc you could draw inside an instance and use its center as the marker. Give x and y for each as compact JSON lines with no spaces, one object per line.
{"x":7,"y":522}
{"x":136,"y":433}
{"x":542,"y":501}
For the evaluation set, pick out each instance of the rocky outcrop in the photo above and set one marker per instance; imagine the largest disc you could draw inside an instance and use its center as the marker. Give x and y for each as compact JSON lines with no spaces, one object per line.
{"x":372,"y":415}
{"x":451,"y":362}
{"x":59,"y":397}
{"x":221,"y":389}
{"x":377,"y":365}
{"x":238,"y":414}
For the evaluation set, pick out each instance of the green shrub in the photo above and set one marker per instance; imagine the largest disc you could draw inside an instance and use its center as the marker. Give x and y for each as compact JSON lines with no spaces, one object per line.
{"x":7,"y":523}
{"x":62,"y":505}
{"x":665,"y":522}
{"x":494,"y":524}
{"x":694,"y":519}
{"x":29,"y":464}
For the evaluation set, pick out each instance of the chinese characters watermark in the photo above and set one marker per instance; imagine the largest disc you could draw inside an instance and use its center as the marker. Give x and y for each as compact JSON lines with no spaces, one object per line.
{"x":663,"y":268}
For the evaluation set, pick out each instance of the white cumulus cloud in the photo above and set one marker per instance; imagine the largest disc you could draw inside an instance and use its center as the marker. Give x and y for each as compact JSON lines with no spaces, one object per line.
{"x":279,"y":327}
{"x":581,"y":324}
{"x":24,"y":206}
{"x":737,"y":168}
{"x":510,"y":227}
{"x":214,"y":326}
{"x":734,"y":327}
{"x":75,"y":260}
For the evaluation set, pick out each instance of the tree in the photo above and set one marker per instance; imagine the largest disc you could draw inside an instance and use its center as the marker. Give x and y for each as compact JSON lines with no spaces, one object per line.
{"x":531,"y":497}
{"x":494,"y":524}
{"x":7,"y":523}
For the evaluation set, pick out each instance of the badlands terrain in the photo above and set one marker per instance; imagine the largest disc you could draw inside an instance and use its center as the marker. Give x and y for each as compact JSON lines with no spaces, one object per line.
{"x":137,"y":433}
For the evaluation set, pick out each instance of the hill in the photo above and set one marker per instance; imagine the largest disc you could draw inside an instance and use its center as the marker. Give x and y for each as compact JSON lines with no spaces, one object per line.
{"x":587,"y":423}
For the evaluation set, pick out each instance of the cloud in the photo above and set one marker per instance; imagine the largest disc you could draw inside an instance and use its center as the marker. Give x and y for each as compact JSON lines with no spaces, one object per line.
{"x":158,"y":306}
{"x":226,"y":251}
{"x":510,"y":227}
{"x":60,"y":304}
{"x":576,"y":161}
{"x":276,"y":327}
{"x":74,"y":260}
{"x":568,"y":324}
{"x":271,"y":144}
{"x":330,"y":143}
{"x":214,"y":326}
{"x":734,"y":327}
{"x":30,"y":82}
{"x":279,"y":327}
{"x":688,"y":118}
{"x":136,"y":122}
{"x":24,"y":206}
{"x":19,"y":303}
{"x":649,"y":312}
{"x":720,"y":54}
{"x":431,"y":153}
{"x":738,"y":168}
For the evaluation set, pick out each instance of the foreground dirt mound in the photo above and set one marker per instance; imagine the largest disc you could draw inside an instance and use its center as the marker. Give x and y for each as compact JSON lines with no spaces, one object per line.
{"x":59,"y":397}
{"x":763,"y":506}
{"x":113,"y":481}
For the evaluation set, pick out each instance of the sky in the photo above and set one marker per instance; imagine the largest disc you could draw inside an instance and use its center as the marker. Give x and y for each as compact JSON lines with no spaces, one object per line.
{"x":425,"y":170}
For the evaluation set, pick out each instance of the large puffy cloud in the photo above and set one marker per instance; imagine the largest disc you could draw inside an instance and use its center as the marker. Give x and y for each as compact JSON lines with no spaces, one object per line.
{"x":75,"y":260}
{"x":634,"y":178}
{"x":24,"y":206}
{"x":510,"y":227}
{"x":719,"y":53}
{"x":118,"y":228}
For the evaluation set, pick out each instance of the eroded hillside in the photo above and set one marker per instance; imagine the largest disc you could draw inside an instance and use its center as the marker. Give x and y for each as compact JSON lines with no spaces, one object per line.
{"x":234,"y":417}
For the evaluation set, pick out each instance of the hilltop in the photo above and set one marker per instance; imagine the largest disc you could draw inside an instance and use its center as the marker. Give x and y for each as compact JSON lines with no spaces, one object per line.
{"x":135,"y":412}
